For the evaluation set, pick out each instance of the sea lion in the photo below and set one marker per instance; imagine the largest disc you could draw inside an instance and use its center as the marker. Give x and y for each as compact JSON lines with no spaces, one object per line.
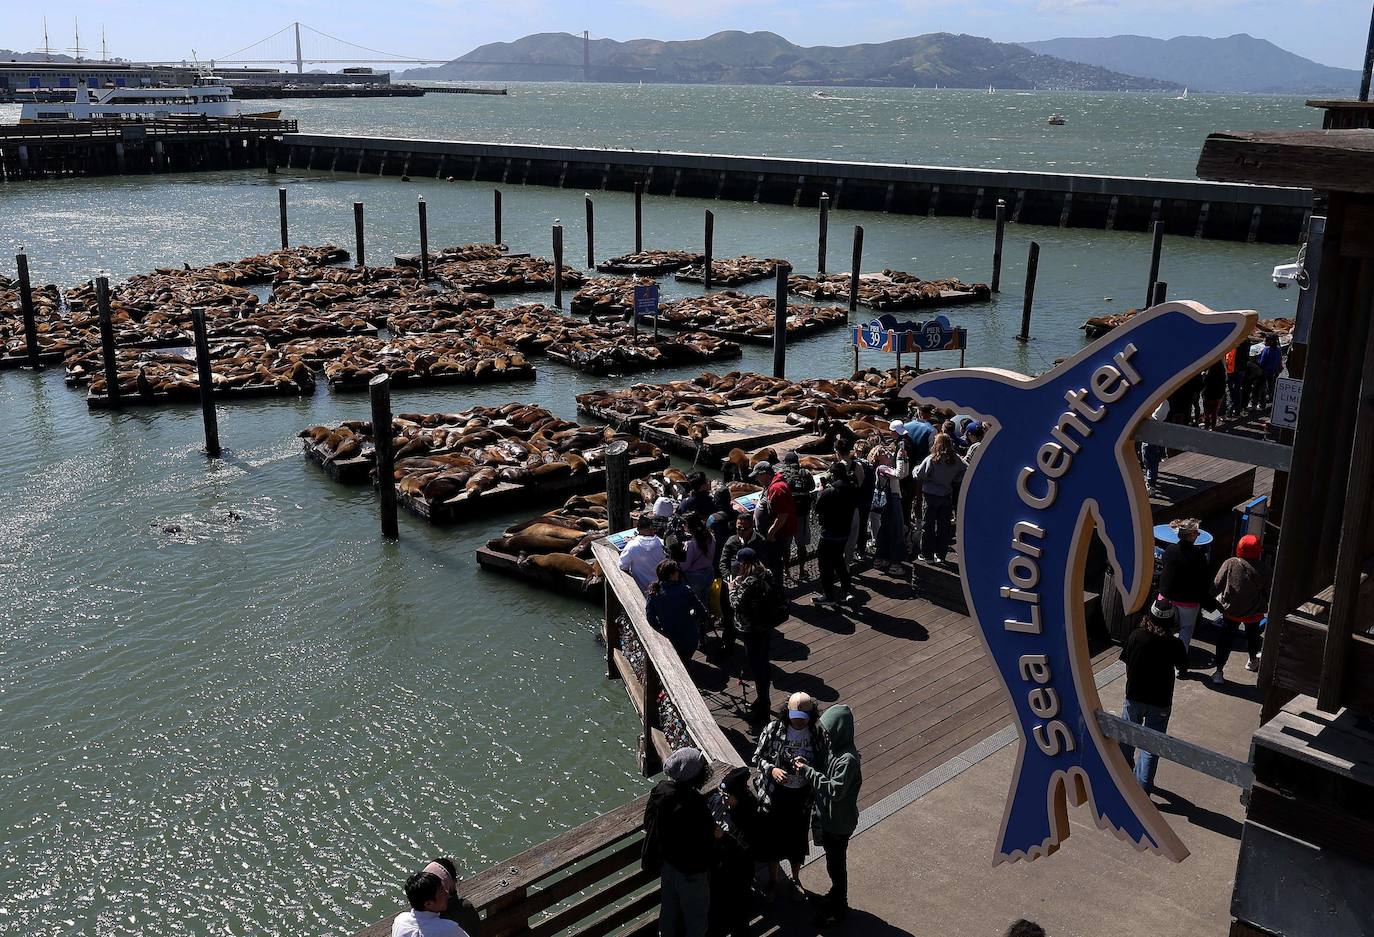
{"x":550,"y":470}
{"x":565,"y":564}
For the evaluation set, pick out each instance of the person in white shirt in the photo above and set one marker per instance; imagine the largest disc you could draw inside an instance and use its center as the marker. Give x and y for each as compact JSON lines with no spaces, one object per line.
{"x":428,"y":899}
{"x":643,"y":553}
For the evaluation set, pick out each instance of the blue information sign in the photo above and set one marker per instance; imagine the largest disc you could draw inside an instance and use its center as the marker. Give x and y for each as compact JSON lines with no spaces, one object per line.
{"x":885,"y":333}
{"x":646,"y":301}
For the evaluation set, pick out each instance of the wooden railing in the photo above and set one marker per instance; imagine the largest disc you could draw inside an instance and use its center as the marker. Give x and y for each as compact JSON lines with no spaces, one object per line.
{"x":671,"y":710}
{"x":81,"y":129}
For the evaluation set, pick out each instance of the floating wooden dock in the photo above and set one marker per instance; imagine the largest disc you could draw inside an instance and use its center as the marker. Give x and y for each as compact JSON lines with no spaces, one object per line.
{"x":401,"y":382}
{"x":354,"y":471}
{"x":745,"y":428}
{"x":192,"y":398}
{"x":562,"y":583}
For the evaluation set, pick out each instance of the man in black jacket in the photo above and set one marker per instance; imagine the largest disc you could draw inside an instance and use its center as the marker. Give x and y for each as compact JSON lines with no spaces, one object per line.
{"x":679,"y":843}
{"x":745,"y":536}
{"x":1185,"y":579}
{"x":1151,"y":655}
{"x":835,"y":509}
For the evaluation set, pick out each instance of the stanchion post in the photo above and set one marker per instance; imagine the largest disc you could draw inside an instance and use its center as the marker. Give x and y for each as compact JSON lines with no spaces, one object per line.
{"x":107,"y":342}
{"x":854,"y":272}
{"x":591,"y":235}
{"x":358,"y":233}
{"x":618,"y":485}
{"x":1032,"y":263}
{"x":780,"y":322}
{"x":281,"y":212}
{"x":558,"y":265}
{"x":205,"y":378}
{"x":21,"y":261}
{"x":424,"y":240}
{"x":496,"y":216}
{"x":997,"y":245}
{"x":1160,"y":291}
{"x":639,"y":217}
{"x":379,"y":390}
{"x":1156,"y":245}
{"x":821,"y":233}
{"x":710,"y":237}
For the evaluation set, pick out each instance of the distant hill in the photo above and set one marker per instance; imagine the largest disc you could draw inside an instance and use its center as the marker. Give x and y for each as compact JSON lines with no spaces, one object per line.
{"x":9,"y":55}
{"x":945,"y":59}
{"x":1236,"y":63}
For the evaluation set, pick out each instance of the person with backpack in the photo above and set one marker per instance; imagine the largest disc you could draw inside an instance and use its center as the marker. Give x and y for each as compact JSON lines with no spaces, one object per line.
{"x":759,"y":607}
{"x":1152,"y":655}
{"x":792,"y":737}
{"x":835,"y":790}
{"x":674,"y":611}
{"x":803,"y":487}
{"x":1184,"y":579}
{"x":679,"y":842}
{"x":775,"y":516}
{"x":1240,"y":587}
{"x":1213,"y":393}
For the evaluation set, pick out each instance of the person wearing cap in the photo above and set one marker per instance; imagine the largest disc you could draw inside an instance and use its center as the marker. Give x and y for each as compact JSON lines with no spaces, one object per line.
{"x":890,"y":468}
{"x":775,"y":516}
{"x":459,"y":908}
{"x":803,"y":487}
{"x":744,"y":536}
{"x":836,"y":513}
{"x":759,"y":607}
{"x":736,"y":812}
{"x":643,"y":552}
{"x":1240,"y":588}
{"x":1152,"y":654}
{"x":1185,"y":579}
{"x":835,"y":788}
{"x":791,"y":737}
{"x":679,"y":837}
{"x":974,"y":432}
{"x":428,"y":897}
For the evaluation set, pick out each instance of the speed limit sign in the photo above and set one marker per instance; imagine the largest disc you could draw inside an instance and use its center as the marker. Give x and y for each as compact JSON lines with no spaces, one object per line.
{"x":1287,"y":392}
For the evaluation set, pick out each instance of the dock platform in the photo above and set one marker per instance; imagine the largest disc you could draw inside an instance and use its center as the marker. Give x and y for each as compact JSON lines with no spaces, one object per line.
{"x":507,"y":565}
{"x":745,"y":428}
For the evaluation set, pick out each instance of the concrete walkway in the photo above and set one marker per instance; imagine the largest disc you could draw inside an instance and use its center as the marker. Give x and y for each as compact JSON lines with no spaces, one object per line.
{"x":927,"y":868}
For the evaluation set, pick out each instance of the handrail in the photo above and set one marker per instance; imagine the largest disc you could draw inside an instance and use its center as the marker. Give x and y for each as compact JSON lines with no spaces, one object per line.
{"x":77,"y":129}
{"x":663,"y":670}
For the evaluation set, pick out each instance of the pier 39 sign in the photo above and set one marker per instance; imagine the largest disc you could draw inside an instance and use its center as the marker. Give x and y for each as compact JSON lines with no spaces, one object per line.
{"x":1058,"y":462}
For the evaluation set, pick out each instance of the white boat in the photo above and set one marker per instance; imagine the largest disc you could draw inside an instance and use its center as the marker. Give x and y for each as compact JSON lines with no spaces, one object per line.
{"x":1056,"y":120}
{"x":1184,"y":95}
{"x":821,"y":94}
{"x":990,"y":89}
{"x":207,"y":98}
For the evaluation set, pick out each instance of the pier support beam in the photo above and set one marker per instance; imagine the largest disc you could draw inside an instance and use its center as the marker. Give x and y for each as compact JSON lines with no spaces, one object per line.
{"x":1160,"y":291}
{"x":591,"y":235}
{"x":856,"y":263}
{"x":824,"y":225}
{"x":205,"y":378}
{"x":107,"y":342}
{"x":618,"y":486}
{"x":358,"y":257}
{"x":1032,"y":265}
{"x":379,"y":390}
{"x":424,"y":239}
{"x":708,"y":237}
{"x":21,"y":262}
{"x":997,"y":245}
{"x":496,"y":216}
{"x":281,"y":212}
{"x":1156,"y":246}
{"x":557,"y":264}
{"x":780,"y":322}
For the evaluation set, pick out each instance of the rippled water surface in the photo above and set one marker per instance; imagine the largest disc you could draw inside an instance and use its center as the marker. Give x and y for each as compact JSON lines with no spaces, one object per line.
{"x":225,"y":706}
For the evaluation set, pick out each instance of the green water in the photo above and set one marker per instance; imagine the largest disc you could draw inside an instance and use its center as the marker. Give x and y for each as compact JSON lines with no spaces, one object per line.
{"x":225,"y":706}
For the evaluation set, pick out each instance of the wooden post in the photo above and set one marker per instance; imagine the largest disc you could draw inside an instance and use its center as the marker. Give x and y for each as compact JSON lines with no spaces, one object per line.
{"x":854,"y":266}
{"x":379,"y":390}
{"x":639,"y":217}
{"x":496,"y":216}
{"x":107,"y":342}
{"x":558,"y":264}
{"x":1032,"y":262}
{"x":618,"y":486}
{"x":780,"y":322}
{"x":424,"y":241}
{"x":710,"y":236}
{"x":1161,"y":289}
{"x":358,"y":232}
{"x":591,"y":250}
{"x":821,"y":234}
{"x":205,"y":378}
{"x":997,"y":245}
{"x":21,"y":261}
{"x":281,"y":211}
{"x":1157,"y":230}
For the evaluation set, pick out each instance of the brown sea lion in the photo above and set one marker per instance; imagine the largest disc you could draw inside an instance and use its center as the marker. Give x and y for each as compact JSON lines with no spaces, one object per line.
{"x":523,"y":543}
{"x":565,"y":564}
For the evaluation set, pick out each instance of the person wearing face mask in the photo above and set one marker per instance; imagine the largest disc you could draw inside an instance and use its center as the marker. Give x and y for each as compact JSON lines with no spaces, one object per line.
{"x":791,"y":738}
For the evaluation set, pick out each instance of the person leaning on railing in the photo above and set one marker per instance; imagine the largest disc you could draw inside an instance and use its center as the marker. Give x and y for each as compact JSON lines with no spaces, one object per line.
{"x":678,"y":843}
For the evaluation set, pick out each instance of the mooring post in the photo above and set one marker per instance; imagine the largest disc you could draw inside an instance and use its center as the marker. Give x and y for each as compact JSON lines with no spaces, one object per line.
{"x":855,"y":264}
{"x":639,"y":217}
{"x":780,"y":322}
{"x":424,"y":240}
{"x":379,"y":390}
{"x":1157,"y":231}
{"x":21,"y":261}
{"x":1032,"y":263}
{"x":496,"y":213}
{"x":205,"y":379}
{"x":710,"y":236}
{"x":821,"y":233}
{"x":591,"y":235}
{"x":649,"y":762}
{"x":618,"y":485}
{"x":557,"y":264}
{"x":107,"y":342}
{"x":997,"y":245}
{"x":281,"y":211}
{"x":1160,"y":291}
{"x":358,"y":232}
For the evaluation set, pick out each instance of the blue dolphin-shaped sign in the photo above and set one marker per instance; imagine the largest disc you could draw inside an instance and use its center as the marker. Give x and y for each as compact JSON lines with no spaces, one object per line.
{"x":1058,"y":461}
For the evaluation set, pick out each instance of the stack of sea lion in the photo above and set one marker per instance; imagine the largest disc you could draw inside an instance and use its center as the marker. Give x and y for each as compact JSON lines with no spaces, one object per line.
{"x":1098,"y":326}
{"x":435,"y":358}
{"x":608,"y":297}
{"x":327,"y":285}
{"x":651,"y":262}
{"x":531,"y":327}
{"x":640,"y":401}
{"x":744,"y":315}
{"x":262,"y":268}
{"x":617,"y":348}
{"x":55,"y":333}
{"x":504,"y":274}
{"x":732,"y":271}
{"x":150,"y":375}
{"x":456,"y":253}
{"x":282,"y":322}
{"x":889,"y":291}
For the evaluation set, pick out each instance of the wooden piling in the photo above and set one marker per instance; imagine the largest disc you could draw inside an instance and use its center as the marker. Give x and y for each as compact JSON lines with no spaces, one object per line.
{"x":639,"y":217}
{"x":358,"y":233}
{"x":710,"y":236}
{"x":780,"y":322}
{"x":496,"y":216}
{"x":618,"y":485}
{"x":107,"y":342}
{"x":649,"y":762}
{"x":558,"y":265}
{"x":21,"y":261}
{"x":997,"y":245}
{"x":1159,"y":292}
{"x":591,"y":235}
{"x":1032,"y":264}
{"x":1157,"y":244}
{"x":205,"y":378}
{"x":855,"y":264}
{"x":822,"y":231}
{"x":424,"y":240}
{"x":281,"y":211}
{"x":379,"y":391}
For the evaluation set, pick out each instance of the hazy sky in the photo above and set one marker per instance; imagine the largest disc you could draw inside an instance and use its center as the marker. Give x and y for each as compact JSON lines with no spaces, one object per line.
{"x":1329,"y":31}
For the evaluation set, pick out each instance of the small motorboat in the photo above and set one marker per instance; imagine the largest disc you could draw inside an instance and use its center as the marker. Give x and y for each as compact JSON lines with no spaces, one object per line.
{"x":1056,"y":120}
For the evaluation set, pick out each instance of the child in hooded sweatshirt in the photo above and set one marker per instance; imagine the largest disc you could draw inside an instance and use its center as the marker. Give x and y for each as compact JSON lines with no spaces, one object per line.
{"x":835,"y":789}
{"x":1240,"y":585}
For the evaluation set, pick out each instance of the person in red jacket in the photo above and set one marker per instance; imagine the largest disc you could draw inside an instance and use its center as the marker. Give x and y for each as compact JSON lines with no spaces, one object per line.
{"x":776,"y":516}
{"x":1241,"y":587}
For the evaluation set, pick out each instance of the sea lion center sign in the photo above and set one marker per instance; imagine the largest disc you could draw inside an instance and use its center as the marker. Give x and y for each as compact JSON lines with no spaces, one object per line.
{"x":1057,"y":462}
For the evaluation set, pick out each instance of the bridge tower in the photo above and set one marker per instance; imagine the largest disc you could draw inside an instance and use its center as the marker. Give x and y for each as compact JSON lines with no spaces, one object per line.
{"x":300,"y":68}
{"x":586,"y":56}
